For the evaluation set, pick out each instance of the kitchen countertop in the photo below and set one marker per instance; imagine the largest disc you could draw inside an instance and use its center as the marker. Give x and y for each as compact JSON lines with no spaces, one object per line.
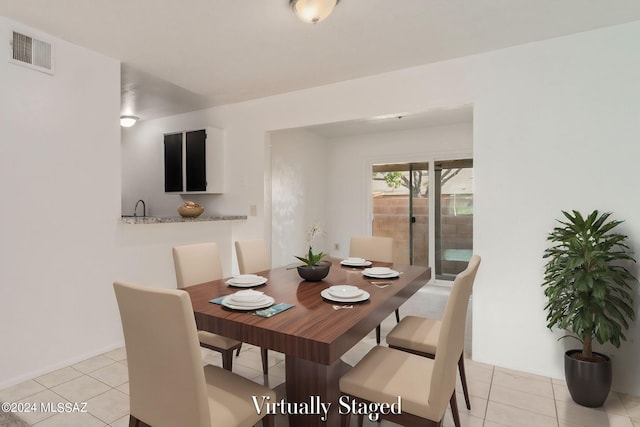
{"x":176,"y":219}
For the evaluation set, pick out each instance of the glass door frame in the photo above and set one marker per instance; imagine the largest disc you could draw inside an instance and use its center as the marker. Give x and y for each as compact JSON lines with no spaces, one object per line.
{"x":369,"y":162}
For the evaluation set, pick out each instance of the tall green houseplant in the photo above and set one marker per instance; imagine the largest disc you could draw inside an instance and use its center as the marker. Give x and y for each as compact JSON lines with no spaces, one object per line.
{"x":589,"y":293}
{"x":589,"y":289}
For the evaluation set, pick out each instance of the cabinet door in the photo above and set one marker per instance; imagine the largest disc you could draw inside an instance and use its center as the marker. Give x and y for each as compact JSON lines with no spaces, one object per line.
{"x":196,"y":160}
{"x":173,"y":162}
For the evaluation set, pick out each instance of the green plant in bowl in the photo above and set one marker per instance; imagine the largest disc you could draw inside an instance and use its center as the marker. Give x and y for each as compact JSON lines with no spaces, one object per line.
{"x":312,"y":260}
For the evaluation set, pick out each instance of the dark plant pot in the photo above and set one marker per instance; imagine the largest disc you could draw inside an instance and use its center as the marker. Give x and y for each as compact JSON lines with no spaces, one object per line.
{"x":315,"y":273}
{"x":589,"y":382}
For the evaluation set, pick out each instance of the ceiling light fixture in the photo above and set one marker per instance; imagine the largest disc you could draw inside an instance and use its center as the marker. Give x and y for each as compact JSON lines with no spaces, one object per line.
{"x":128,"y":121}
{"x":312,"y":11}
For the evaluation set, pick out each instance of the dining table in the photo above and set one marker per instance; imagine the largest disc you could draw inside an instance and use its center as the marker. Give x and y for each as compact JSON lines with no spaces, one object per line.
{"x":315,"y":332}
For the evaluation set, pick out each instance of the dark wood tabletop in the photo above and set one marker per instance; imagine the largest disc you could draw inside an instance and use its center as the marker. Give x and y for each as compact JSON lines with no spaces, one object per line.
{"x":312,"y":329}
{"x":311,"y":334}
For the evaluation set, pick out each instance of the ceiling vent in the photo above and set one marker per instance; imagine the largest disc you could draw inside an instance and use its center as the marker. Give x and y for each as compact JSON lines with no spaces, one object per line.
{"x":31,"y":52}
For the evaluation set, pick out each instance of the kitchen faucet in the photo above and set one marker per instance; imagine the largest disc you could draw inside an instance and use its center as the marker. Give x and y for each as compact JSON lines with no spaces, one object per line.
{"x":144,"y":209}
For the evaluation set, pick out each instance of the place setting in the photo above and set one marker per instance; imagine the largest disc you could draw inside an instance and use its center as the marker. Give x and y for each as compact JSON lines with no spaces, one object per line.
{"x":246,"y":281}
{"x":250,"y":300}
{"x":247,"y":300}
{"x":355,"y":262}
{"x":381,"y":273}
{"x":345,"y":294}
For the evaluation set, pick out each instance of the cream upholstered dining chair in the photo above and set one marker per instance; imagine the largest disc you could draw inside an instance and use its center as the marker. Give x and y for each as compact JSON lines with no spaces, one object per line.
{"x":253,"y":256}
{"x":198,"y":263}
{"x":425,"y":385}
{"x":373,"y":248}
{"x":419,"y":335}
{"x":168,"y":386}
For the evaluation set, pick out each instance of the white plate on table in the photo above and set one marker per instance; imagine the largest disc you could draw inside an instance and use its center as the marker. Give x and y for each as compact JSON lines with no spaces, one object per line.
{"x":244,"y":283}
{"x":345,"y":291}
{"x":247,"y":296}
{"x":245,"y":278}
{"x":236,"y":305}
{"x":326,"y":294}
{"x":380,"y":272}
{"x":355,"y":262}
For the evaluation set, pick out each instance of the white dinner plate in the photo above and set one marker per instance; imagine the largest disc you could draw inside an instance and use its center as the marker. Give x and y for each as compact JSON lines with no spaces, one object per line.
{"x":355,"y":263}
{"x":326,"y":294}
{"x":229,"y":303}
{"x":248,"y":304}
{"x":245,"y":278}
{"x":247,"y":296}
{"x":392,"y":273}
{"x":345,"y":291}
{"x":258,"y":281}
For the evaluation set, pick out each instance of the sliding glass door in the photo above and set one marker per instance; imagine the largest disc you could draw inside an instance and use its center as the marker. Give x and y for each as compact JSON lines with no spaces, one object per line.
{"x":401,"y":206}
{"x":453,"y":230}
{"x":401,"y":211}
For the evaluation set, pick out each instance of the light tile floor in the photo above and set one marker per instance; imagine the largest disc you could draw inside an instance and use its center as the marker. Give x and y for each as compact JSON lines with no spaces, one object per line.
{"x":499,"y":397}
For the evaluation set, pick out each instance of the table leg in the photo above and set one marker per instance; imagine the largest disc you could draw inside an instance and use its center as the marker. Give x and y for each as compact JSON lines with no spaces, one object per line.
{"x":306,"y":381}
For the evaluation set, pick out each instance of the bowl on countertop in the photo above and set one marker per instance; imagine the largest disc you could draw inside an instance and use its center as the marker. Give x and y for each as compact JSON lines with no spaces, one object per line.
{"x":190,"y":210}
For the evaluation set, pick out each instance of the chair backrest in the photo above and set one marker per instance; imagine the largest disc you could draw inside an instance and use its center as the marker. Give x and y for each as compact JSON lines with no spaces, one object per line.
{"x":372,"y":248}
{"x":197,"y":263}
{"x":166,"y":378}
{"x":253,"y":256}
{"x":451,"y":338}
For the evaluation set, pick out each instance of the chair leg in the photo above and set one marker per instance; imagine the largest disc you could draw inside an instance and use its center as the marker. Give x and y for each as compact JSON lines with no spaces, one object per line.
{"x":238,"y":351}
{"x":463,"y":379}
{"x":345,"y":419}
{"x":227,"y":359}
{"x":454,"y":409}
{"x":378,"y":327}
{"x":268,"y":421}
{"x":265,"y":361}
{"x":134,"y":422}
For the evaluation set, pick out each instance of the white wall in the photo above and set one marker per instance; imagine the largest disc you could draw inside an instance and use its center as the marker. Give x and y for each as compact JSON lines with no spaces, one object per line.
{"x":144,"y":250}
{"x":59,"y":162}
{"x":555,"y":127}
{"x":349,"y":175}
{"x":298,"y":194}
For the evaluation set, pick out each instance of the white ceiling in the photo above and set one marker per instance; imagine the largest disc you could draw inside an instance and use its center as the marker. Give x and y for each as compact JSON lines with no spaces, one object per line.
{"x":394,"y":122}
{"x":181,"y":56}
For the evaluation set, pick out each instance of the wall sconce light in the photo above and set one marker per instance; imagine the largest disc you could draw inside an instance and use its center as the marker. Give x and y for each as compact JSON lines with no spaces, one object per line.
{"x":128,"y":121}
{"x":312,"y":11}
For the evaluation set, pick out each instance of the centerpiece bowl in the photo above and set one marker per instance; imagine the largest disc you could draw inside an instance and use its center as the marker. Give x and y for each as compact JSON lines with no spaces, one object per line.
{"x":314,"y":273}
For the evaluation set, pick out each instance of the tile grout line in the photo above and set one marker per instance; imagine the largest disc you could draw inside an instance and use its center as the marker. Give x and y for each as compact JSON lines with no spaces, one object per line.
{"x":486,"y":407}
{"x":84,"y":374}
{"x":518,"y":407}
{"x":555,"y":403}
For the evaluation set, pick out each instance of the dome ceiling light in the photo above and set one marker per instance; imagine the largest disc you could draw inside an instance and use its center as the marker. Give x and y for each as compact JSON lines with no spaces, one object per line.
{"x":312,"y":11}
{"x":128,"y":121}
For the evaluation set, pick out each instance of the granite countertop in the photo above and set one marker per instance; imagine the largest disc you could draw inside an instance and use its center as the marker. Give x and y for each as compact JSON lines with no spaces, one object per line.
{"x":174,"y":219}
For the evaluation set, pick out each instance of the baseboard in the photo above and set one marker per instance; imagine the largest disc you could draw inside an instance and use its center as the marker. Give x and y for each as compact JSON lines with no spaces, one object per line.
{"x":59,"y":365}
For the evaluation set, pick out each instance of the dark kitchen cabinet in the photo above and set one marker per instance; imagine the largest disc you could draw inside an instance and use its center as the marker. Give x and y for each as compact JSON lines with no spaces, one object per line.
{"x":193,"y":161}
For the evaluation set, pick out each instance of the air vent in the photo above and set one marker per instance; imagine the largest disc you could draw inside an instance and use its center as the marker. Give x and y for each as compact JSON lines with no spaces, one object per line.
{"x":31,"y":52}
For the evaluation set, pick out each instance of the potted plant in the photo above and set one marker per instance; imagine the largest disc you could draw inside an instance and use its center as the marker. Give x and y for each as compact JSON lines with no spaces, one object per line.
{"x":589,"y":293}
{"x":313,"y":269}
